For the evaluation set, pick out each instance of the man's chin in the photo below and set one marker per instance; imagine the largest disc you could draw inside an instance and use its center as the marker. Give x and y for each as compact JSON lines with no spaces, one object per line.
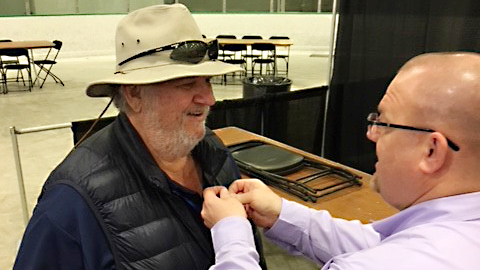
{"x":199,"y":132}
{"x":196,"y":135}
{"x":374,"y":183}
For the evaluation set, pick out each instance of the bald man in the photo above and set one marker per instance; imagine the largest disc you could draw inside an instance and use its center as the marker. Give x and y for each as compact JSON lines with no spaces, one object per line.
{"x":427,"y":135}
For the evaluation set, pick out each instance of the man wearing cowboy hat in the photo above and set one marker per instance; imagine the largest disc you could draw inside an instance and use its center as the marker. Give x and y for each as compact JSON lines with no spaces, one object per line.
{"x":129,"y":197}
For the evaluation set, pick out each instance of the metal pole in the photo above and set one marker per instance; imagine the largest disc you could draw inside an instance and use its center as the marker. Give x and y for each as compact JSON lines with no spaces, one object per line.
{"x":18,"y":165}
{"x":333,"y":38}
{"x":319,"y":6}
{"x":28,"y":10}
{"x":43,"y":128}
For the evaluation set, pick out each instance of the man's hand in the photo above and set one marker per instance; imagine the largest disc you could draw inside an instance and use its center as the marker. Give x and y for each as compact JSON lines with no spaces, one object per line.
{"x":219,"y":204}
{"x":262,"y":204}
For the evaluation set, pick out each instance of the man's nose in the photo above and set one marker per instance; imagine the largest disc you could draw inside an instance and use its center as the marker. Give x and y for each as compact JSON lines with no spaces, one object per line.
{"x":372,"y":135}
{"x":205,"y":93}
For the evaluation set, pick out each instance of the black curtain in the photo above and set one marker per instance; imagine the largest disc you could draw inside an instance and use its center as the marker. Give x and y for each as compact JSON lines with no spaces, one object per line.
{"x":243,"y":113}
{"x":294,"y":117}
{"x":375,"y":37}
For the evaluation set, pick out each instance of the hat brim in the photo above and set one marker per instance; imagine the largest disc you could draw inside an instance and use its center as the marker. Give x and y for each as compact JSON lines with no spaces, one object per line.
{"x":156,"y":74}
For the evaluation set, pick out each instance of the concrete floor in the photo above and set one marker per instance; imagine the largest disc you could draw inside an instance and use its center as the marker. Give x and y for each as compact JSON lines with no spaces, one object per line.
{"x":55,"y":104}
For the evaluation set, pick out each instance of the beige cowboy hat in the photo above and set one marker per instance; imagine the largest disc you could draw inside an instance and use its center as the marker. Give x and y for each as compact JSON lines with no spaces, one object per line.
{"x":157,"y":44}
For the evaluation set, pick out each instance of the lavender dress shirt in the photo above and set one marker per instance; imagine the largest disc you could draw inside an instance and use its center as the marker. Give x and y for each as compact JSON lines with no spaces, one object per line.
{"x":441,"y":234}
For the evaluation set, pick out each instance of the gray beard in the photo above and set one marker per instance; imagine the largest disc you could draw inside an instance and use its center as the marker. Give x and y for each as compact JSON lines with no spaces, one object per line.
{"x":171,"y":142}
{"x":174,"y":144}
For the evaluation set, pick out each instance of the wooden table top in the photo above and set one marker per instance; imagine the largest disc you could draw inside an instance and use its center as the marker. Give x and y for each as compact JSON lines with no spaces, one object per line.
{"x":29,"y":44}
{"x":276,"y":42}
{"x":357,"y":202}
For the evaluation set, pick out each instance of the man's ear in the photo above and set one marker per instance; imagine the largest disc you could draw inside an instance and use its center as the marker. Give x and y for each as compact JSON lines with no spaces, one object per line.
{"x":133,"y":97}
{"x":435,"y":155}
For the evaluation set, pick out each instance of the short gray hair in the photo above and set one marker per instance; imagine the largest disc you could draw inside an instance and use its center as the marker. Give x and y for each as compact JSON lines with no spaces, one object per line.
{"x":119,"y":100}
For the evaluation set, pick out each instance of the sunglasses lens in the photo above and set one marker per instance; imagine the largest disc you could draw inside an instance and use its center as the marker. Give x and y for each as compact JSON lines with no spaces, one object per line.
{"x":191,"y":52}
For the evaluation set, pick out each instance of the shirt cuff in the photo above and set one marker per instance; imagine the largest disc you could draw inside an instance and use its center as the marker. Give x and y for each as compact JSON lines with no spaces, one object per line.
{"x":230,"y":230}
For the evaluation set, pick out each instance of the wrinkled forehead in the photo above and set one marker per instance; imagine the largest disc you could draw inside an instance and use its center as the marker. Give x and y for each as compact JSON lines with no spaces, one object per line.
{"x":402,"y":95}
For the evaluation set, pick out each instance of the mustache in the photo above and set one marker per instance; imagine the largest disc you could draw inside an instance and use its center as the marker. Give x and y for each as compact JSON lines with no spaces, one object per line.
{"x":200,"y":110}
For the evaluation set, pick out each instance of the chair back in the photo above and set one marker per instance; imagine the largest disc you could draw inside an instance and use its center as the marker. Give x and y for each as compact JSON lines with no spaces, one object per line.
{"x":21,"y":61}
{"x":263,"y":46}
{"x":19,"y":55}
{"x":279,"y":37}
{"x":58,"y":44}
{"x":227,"y":36}
{"x":7,"y":60}
{"x":14,"y":52}
{"x":235,"y":47}
{"x":252,"y":37}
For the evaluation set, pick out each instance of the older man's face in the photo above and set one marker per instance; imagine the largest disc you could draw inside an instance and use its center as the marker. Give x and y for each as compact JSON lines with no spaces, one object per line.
{"x":175,"y":112}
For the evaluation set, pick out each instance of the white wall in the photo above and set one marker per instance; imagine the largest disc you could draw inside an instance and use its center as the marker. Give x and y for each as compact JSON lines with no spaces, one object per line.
{"x":93,"y":35}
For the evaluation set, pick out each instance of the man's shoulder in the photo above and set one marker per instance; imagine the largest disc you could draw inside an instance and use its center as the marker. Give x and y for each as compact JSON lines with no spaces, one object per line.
{"x":63,"y":226}
{"x":95,"y":155}
{"x":61,"y":203}
{"x":441,"y":245}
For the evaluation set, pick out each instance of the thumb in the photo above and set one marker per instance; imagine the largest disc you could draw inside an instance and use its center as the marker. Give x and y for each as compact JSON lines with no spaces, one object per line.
{"x":224,"y":193}
{"x":244,"y":198}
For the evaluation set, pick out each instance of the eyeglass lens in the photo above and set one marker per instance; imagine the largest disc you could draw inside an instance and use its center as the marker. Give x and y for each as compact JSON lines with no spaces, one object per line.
{"x":194,"y":52}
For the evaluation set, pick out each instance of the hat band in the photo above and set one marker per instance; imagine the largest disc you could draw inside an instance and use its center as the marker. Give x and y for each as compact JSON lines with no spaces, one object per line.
{"x":192,"y":51}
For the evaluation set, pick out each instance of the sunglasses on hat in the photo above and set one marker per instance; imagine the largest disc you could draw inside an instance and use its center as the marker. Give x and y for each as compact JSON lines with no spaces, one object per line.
{"x":192,"y":51}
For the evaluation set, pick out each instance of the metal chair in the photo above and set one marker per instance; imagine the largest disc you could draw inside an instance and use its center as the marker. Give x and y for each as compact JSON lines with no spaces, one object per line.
{"x":222,"y":53}
{"x":284,"y":54}
{"x":22,"y":64}
{"x":266,"y":58}
{"x":236,"y":58}
{"x":251,"y":54}
{"x":8,"y":60}
{"x":45,"y":65}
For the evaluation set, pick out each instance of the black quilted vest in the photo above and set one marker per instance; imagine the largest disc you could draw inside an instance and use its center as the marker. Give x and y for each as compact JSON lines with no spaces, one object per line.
{"x":147,"y":225}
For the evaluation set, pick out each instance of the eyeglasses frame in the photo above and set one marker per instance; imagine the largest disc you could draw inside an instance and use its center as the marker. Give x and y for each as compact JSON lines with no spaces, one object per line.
{"x":383,"y":124}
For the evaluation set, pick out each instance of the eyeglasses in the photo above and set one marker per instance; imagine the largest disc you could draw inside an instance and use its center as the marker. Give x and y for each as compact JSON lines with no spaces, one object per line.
{"x":372,"y":119}
{"x":192,"y":51}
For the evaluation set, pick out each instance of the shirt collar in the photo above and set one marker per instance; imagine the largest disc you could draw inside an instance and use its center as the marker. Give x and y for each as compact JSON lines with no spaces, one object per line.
{"x":453,"y":208}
